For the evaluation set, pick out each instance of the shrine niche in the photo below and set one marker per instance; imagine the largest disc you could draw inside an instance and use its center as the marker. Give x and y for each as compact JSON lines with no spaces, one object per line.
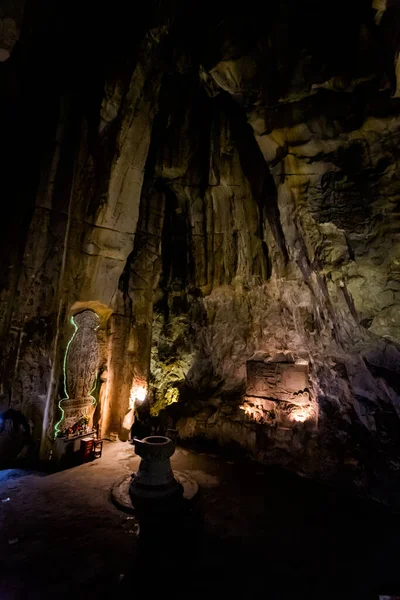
{"x":81,"y":366}
{"x":277,"y":392}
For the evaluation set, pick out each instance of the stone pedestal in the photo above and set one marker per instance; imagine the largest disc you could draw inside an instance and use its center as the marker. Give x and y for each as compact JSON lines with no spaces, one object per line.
{"x":154,"y":479}
{"x":75,"y":409}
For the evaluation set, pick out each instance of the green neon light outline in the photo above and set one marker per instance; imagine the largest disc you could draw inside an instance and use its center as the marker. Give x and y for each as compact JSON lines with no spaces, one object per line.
{"x":56,"y":427}
{"x":92,"y":390}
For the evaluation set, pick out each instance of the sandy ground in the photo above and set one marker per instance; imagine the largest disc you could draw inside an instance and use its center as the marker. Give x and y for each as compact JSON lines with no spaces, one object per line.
{"x":253,"y":531}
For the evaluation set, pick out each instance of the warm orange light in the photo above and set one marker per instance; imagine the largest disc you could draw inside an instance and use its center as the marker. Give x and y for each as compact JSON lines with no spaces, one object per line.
{"x":301,"y":415}
{"x":254,"y":412}
{"x":138,"y":394}
{"x":141,"y":393}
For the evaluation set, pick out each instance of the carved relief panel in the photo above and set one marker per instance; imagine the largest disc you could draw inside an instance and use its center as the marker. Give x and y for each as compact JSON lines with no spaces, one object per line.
{"x":83,"y":356}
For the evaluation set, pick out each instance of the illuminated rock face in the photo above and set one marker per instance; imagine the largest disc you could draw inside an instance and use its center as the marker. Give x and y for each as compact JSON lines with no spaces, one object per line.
{"x":211,"y":196}
{"x":277,"y":393}
{"x":281,"y":380}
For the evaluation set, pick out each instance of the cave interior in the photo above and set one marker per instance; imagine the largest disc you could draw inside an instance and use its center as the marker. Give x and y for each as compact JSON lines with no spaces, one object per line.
{"x":200,"y":238}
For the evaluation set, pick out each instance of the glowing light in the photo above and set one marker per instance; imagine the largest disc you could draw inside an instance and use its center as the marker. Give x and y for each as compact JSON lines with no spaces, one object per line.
{"x":258,"y":413}
{"x":301,"y":415}
{"x":138,"y":394}
{"x":141,"y":394}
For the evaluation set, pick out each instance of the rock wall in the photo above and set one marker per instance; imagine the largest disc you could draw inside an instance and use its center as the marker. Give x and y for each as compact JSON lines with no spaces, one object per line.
{"x":215,"y":186}
{"x":75,"y":216}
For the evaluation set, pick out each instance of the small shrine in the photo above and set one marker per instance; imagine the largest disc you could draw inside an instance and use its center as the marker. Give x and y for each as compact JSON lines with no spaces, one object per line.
{"x":76,"y":440}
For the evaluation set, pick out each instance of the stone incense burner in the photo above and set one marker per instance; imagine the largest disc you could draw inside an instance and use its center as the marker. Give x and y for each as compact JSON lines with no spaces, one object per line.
{"x":154,"y":479}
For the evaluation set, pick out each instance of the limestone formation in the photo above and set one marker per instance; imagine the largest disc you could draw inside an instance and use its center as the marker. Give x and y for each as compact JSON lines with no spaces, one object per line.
{"x":216,"y":186}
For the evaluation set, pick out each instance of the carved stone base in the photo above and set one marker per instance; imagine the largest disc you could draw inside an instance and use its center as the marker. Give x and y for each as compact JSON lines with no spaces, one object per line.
{"x":74,"y":410}
{"x":121,"y":497}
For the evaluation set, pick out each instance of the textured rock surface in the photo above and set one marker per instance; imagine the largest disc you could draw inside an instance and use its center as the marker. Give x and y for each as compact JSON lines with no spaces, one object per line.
{"x":221,"y":186}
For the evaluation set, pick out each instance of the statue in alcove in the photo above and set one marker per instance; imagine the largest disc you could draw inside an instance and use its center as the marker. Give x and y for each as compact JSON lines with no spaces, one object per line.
{"x":80,"y":372}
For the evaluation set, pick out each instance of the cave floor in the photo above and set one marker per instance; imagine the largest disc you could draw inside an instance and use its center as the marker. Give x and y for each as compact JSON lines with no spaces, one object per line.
{"x":252,"y":531}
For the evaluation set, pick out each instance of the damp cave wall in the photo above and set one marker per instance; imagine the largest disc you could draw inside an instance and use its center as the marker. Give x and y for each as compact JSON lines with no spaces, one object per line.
{"x":213,"y":183}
